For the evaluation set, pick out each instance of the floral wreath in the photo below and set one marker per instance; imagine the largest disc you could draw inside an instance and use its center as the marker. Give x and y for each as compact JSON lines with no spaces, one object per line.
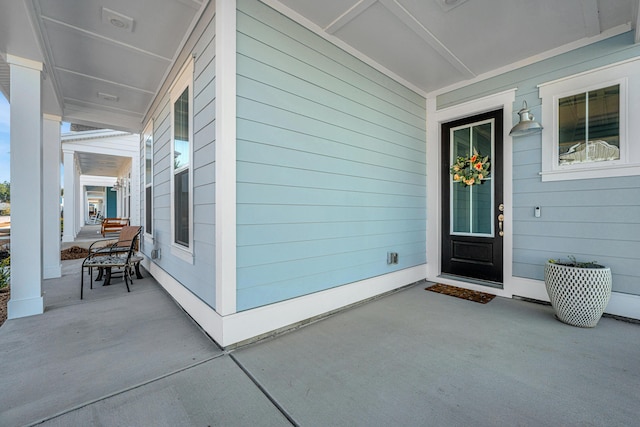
{"x":472,"y":170}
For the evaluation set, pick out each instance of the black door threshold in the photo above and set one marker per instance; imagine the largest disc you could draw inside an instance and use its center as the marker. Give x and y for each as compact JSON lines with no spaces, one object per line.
{"x":473,"y":281}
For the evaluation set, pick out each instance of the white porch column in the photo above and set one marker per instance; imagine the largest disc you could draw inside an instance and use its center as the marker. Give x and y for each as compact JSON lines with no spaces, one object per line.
{"x":51,"y":196}
{"x":79,"y":199}
{"x":69,"y":233}
{"x":226,"y":262}
{"x":26,"y":185}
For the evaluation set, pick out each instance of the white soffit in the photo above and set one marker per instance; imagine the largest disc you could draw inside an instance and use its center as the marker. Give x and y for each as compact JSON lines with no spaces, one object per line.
{"x":107,"y":58}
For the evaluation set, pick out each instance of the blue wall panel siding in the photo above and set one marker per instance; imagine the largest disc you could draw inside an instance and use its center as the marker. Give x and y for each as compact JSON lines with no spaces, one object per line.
{"x":591,"y":219}
{"x":198,"y":277}
{"x":331,"y":164}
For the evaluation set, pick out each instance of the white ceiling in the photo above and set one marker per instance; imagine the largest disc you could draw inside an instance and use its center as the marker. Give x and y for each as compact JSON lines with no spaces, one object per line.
{"x":97,"y":74}
{"x":433,"y":44}
{"x":101,"y":164}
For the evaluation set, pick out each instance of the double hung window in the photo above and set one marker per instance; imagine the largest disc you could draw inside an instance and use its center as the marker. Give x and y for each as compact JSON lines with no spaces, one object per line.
{"x":586,"y":120}
{"x":181,"y":162}
{"x":147,"y":140}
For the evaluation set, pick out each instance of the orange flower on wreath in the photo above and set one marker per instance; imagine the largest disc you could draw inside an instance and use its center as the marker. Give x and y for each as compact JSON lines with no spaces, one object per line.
{"x":478,"y":166}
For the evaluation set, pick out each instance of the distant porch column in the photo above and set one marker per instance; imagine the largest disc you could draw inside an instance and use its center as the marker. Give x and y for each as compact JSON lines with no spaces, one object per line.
{"x":79,"y":222}
{"x":51,"y":196}
{"x":26,"y":187}
{"x":69,"y":213}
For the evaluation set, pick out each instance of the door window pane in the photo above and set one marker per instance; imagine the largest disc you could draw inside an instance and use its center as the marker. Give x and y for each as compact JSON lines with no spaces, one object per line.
{"x":461,"y":205}
{"x":481,"y":215}
{"x":472,"y":206}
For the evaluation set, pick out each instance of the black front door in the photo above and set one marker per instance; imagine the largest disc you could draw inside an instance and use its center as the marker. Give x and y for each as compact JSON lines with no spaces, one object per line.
{"x":472,"y":215}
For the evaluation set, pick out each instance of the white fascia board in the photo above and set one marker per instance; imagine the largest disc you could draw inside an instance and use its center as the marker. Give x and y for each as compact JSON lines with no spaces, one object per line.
{"x":123,"y":147}
{"x":99,"y":181}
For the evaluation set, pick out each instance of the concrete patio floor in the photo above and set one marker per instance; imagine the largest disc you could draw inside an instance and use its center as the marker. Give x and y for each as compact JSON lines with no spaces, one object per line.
{"x":410,"y":358}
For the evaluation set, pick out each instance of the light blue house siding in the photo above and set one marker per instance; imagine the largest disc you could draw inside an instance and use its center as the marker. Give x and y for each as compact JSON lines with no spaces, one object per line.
{"x":592,"y":219}
{"x":330,"y":164}
{"x":198,"y":277}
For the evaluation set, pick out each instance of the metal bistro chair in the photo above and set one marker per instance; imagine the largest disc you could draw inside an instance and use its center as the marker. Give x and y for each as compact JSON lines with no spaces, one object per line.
{"x":120,"y":254}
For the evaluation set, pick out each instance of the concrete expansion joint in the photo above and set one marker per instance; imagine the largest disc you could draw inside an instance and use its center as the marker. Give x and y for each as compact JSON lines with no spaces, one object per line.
{"x":264,"y":391}
{"x":125,"y":390}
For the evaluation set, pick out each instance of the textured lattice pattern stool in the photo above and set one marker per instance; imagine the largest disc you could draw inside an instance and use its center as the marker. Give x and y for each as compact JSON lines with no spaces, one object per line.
{"x":579,"y":296}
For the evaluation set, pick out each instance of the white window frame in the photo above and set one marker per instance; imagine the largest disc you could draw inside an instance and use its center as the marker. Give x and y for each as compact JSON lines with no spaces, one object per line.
{"x":627,"y":75}
{"x":147,"y":134}
{"x":183,"y":81}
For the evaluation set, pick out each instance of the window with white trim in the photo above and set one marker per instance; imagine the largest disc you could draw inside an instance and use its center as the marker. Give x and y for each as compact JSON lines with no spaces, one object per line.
{"x":148,"y":178}
{"x":586,"y":126}
{"x":181,"y":162}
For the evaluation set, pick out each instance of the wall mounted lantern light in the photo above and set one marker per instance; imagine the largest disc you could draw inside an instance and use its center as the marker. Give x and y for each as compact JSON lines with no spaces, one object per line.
{"x":527,"y":125}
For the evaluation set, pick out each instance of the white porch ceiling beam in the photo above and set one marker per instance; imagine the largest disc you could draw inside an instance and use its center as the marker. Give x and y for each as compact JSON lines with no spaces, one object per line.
{"x":356,"y":10}
{"x":107,"y":39}
{"x":110,"y":82}
{"x":102,"y":119}
{"x":411,"y":22}
{"x":93,"y":105}
{"x":591,"y":18}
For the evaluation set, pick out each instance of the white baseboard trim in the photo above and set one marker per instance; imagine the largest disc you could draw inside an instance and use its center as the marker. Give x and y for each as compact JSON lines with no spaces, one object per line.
{"x":52,"y":271}
{"x":204,"y":315}
{"x":625,"y":305}
{"x":245,"y":325}
{"x":528,"y":288}
{"x":17,"y":308}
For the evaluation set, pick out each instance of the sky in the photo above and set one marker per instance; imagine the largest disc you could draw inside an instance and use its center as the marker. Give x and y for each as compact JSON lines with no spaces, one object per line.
{"x":4,"y":138}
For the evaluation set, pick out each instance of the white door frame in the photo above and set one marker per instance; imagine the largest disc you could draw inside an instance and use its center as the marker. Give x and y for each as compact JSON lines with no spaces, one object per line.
{"x":435,"y":118}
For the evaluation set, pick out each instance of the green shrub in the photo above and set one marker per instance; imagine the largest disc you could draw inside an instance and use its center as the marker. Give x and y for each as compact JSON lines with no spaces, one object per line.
{"x":5,"y":272}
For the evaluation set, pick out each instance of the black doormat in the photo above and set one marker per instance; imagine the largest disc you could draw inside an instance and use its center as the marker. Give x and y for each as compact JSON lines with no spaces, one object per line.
{"x":467,"y":294}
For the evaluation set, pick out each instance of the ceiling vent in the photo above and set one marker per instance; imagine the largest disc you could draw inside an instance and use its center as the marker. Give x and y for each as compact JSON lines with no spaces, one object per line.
{"x":118,"y":20}
{"x":107,"y":97}
{"x":447,"y":5}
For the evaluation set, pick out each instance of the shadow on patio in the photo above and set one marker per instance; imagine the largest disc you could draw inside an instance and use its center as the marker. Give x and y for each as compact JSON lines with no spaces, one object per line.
{"x":410,"y":358}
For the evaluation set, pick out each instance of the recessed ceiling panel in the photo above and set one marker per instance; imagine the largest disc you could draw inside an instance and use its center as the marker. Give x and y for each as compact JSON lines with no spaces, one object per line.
{"x":158,"y":26}
{"x":87,"y":89}
{"x":485,"y":38}
{"x":98,"y":58}
{"x":384,"y":38}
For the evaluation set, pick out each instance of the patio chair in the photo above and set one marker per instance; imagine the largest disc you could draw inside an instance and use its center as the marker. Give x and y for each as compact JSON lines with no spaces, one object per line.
{"x":119,"y":254}
{"x":113,"y":225}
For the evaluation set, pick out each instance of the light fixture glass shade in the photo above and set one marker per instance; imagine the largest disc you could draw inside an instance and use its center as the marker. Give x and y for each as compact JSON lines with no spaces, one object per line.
{"x":527,"y":125}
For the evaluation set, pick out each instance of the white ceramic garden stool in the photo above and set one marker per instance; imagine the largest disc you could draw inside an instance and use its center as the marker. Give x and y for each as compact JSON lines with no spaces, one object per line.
{"x":579,"y":296}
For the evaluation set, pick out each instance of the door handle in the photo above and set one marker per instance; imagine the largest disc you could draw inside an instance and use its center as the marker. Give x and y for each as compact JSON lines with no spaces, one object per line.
{"x":500,"y":221}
